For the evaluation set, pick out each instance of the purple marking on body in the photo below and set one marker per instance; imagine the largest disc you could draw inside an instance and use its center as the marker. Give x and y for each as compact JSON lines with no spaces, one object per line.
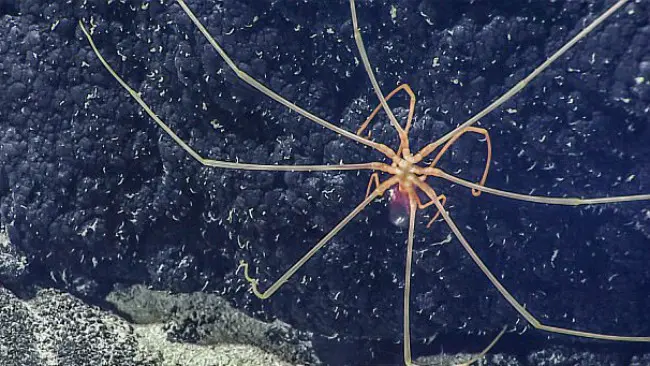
{"x":398,"y":207}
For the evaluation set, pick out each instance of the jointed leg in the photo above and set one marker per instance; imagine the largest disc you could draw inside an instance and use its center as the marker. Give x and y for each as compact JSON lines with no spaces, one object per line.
{"x":407,"y":280}
{"x":563,"y":201}
{"x":374,"y":178}
{"x":488,"y":159}
{"x":438,"y":201}
{"x":373,"y":80}
{"x":414,"y":203}
{"x":406,"y":129}
{"x":275,"y":96}
{"x":290,"y":272}
{"x":431,"y":148}
{"x":522,"y":84}
{"x":442,"y":198}
{"x":485,"y":350}
{"x":506,"y":294}
{"x":210,"y":162}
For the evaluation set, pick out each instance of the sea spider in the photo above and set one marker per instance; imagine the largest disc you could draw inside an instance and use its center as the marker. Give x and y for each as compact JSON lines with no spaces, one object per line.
{"x":407,"y":174}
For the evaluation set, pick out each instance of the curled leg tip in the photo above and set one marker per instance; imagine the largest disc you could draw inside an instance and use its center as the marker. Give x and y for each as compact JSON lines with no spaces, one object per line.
{"x":252,"y":281}
{"x":243,"y":264}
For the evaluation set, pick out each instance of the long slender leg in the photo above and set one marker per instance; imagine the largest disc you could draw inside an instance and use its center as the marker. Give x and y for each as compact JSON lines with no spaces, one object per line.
{"x":433,"y":198}
{"x":210,"y":162}
{"x":290,"y":272}
{"x":563,"y":201}
{"x":507,"y":295}
{"x":522,"y":84}
{"x":407,"y":279}
{"x":275,"y":96}
{"x":414,"y":204}
{"x":373,"y":80}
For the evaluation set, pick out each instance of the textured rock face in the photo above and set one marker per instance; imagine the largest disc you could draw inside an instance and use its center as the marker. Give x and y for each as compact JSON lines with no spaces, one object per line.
{"x":207,"y":323}
{"x":93,"y":195}
{"x":56,"y":329}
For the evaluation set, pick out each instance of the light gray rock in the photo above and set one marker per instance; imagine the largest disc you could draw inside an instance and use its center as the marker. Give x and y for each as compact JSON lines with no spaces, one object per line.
{"x":56,"y":329}
{"x":209,"y":319}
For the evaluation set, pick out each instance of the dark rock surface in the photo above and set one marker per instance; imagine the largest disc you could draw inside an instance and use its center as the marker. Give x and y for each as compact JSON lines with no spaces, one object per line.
{"x":92,"y":193}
